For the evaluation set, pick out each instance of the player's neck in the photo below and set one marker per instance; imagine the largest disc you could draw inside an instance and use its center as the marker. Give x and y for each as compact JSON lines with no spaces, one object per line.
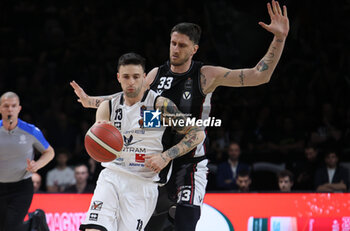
{"x":129,"y":101}
{"x":181,"y":68}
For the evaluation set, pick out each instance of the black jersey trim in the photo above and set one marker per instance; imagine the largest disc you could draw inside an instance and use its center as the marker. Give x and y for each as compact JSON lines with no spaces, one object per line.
{"x":121,"y":102}
{"x":110,"y":108}
{"x":155,"y":78}
{"x":144,"y":96}
{"x":180,"y":74}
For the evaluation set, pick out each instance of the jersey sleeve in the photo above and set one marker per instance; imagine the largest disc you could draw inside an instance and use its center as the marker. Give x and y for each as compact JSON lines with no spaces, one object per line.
{"x":40,"y":143}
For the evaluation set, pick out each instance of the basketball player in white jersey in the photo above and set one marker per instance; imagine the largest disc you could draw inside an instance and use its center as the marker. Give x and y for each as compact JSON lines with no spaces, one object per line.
{"x":126,"y":192}
{"x":187,"y":82}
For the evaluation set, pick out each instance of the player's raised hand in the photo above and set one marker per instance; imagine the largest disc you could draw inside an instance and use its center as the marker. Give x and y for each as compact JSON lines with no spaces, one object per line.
{"x":279,"y":25}
{"x":83,"y":97}
{"x":32,"y":166}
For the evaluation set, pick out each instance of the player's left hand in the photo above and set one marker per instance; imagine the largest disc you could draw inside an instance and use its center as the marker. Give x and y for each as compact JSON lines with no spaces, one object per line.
{"x":279,"y":25}
{"x":156,"y":162}
{"x":32,"y":166}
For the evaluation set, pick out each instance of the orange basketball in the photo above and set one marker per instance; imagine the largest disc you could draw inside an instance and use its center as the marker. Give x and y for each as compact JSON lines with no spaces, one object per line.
{"x":103,"y":142}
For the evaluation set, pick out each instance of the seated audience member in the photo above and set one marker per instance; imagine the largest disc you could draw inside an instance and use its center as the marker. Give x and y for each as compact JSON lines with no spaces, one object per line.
{"x":332,"y":177}
{"x":81,"y":174}
{"x":243,"y":181}
{"x":36,"y":178}
{"x":227,"y":171}
{"x":61,"y":176}
{"x":285,"y":181}
{"x":306,"y":169}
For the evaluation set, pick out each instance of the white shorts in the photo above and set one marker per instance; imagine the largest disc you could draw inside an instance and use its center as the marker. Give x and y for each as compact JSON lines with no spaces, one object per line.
{"x":121,"y":202}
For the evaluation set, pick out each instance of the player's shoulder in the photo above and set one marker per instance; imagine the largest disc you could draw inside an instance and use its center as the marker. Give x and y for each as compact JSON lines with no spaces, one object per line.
{"x":115,"y":97}
{"x":29,"y":128}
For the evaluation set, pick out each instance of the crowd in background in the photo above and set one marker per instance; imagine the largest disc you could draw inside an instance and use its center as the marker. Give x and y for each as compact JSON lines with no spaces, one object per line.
{"x":305,"y":106}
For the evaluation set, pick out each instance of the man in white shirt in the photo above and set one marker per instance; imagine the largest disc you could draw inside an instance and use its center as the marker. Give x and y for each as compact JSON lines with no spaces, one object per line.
{"x":61,"y":176}
{"x":332,"y":177}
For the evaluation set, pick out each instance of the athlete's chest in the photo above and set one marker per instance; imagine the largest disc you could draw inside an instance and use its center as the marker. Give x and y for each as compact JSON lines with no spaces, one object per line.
{"x":127,"y":118}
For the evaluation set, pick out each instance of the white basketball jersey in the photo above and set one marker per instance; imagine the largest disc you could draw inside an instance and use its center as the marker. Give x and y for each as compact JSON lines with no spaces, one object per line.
{"x":138,"y":141}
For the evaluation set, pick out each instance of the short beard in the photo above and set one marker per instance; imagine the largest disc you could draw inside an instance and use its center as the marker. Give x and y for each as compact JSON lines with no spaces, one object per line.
{"x":179,"y":63}
{"x":133,"y":94}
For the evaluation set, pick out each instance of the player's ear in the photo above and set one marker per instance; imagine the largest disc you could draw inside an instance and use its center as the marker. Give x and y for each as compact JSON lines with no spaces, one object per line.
{"x":118,"y":77}
{"x":195,"y":48}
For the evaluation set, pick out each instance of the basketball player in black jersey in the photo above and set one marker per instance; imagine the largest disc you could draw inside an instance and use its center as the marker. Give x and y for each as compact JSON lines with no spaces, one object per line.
{"x":190,"y":84}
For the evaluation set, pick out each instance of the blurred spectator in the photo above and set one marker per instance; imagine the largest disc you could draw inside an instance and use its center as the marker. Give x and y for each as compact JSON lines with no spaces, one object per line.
{"x":228,"y":171}
{"x":327,"y":129}
{"x":81,"y":174}
{"x":332,"y":177}
{"x":305,"y":170}
{"x":94,"y":170}
{"x":285,"y":180}
{"x":287,"y":142}
{"x":61,"y":176}
{"x":36,"y":178}
{"x":243,"y":181}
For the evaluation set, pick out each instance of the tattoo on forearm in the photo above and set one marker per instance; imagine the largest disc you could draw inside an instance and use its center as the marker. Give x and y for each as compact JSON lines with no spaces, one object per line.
{"x":161,"y":155}
{"x":97,"y":102}
{"x":226,"y":74}
{"x":262,"y":66}
{"x":191,"y":140}
{"x":203,"y":80}
{"x":173,"y":152}
{"x":279,"y":40}
{"x":241,"y":77}
{"x":169,"y":107}
{"x":269,"y":58}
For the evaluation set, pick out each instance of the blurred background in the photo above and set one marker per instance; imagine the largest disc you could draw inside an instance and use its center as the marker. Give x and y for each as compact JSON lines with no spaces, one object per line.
{"x":46,"y":44}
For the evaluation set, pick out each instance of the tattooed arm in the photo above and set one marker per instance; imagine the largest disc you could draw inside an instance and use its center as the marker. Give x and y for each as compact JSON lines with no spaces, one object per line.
{"x":212,"y":77}
{"x":86,"y":100}
{"x":193,"y":135}
{"x":95,"y":101}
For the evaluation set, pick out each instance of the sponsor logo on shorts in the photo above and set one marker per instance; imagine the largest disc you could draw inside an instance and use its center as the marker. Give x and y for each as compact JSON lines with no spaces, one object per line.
{"x":97,"y":205}
{"x":93,"y":217}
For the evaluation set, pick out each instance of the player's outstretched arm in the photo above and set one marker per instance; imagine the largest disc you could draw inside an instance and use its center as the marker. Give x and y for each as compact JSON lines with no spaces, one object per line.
{"x":86,"y":100}
{"x":95,"y":101}
{"x":212,"y":76}
{"x":193,"y":135}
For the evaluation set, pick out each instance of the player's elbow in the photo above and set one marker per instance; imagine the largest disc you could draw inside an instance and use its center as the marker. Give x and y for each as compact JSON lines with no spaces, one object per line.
{"x":263,"y":77}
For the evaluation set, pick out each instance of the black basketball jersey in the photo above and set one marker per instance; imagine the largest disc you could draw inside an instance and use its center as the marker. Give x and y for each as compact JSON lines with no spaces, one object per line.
{"x":185,"y":91}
